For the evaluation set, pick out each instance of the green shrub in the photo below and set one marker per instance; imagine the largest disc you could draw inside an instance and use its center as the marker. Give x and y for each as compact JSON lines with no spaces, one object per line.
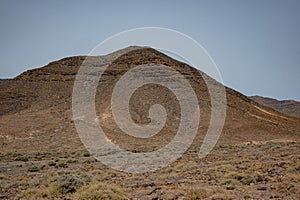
{"x":86,"y":154}
{"x":230,"y":182}
{"x":22,"y":158}
{"x":73,"y":160}
{"x":33,"y":168}
{"x":51,"y":163}
{"x":67,"y":184}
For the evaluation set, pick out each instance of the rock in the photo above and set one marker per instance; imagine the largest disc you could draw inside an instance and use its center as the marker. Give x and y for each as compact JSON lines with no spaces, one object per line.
{"x":230,"y":187}
{"x":262,"y":188}
{"x":274,"y":196}
{"x":282,"y":163}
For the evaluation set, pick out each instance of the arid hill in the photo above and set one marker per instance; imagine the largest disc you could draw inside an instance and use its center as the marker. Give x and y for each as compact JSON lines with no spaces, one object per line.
{"x":36,"y":106}
{"x":42,"y":157}
{"x":288,"y":107}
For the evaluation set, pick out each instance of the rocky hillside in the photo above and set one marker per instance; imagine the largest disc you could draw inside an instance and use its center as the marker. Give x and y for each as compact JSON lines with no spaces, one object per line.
{"x":40,"y":100}
{"x":288,"y":107}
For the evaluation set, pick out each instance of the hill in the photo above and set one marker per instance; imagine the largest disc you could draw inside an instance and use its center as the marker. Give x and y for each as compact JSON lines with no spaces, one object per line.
{"x":288,"y":107}
{"x":42,"y":157}
{"x":41,"y":101}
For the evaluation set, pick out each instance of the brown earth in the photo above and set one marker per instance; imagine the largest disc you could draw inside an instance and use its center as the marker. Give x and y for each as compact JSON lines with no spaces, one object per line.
{"x":257,"y":152}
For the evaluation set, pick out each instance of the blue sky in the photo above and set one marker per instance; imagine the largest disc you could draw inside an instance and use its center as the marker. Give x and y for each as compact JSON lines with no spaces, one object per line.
{"x":255,"y":44}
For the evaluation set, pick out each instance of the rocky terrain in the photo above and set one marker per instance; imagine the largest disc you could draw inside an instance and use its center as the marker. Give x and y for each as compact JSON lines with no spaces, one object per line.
{"x":42,"y":157}
{"x":288,"y":107}
{"x":247,"y":171}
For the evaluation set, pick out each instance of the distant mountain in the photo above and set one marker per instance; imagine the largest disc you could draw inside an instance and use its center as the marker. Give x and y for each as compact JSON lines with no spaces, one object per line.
{"x":4,"y":81}
{"x":288,"y":107}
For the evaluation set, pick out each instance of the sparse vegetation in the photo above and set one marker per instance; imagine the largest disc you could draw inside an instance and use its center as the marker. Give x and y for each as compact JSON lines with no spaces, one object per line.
{"x":67,"y":184}
{"x":33,"y":193}
{"x":219,"y":170}
{"x":196,"y":194}
{"x":22,"y":158}
{"x":86,"y":154}
{"x":33,"y":168}
{"x":3,"y":177}
{"x":244,"y":178}
{"x":51,"y":163}
{"x":99,"y":190}
{"x":230,"y":182}
{"x":222,"y":174}
{"x":72,"y":160}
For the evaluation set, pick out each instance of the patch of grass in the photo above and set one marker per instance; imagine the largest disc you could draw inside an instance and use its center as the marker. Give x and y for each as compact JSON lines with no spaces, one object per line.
{"x":40,"y":192}
{"x":22,"y":158}
{"x":169,"y":176}
{"x":259,"y":177}
{"x":51,"y":163}
{"x":254,"y":167}
{"x":33,"y":168}
{"x":266,"y":167}
{"x":33,"y":193}
{"x":196,"y":194}
{"x":86,"y":154}
{"x":66,"y":184}
{"x":38,"y":158}
{"x":72,"y":160}
{"x":99,"y":190}
{"x":3,"y":177}
{"x":295,"y":176}
{"x":219,"y":193}
{"x":102,"y":175}
{"x":231,"y":182}
{"x":244,"y":178}
{"x":220,"y":170}
{"x":50,"y":174}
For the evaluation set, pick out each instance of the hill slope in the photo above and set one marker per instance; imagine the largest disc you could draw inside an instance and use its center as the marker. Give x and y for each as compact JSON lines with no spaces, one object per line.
{"x":40,"y":100}
{"x":288,"y":107}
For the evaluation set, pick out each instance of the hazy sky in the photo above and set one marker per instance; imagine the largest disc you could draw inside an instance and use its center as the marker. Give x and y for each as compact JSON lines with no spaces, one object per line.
{"x":255,"y":44}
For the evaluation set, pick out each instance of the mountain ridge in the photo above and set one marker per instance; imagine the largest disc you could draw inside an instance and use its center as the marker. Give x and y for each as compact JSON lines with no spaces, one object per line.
{"x":287,"y":107}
